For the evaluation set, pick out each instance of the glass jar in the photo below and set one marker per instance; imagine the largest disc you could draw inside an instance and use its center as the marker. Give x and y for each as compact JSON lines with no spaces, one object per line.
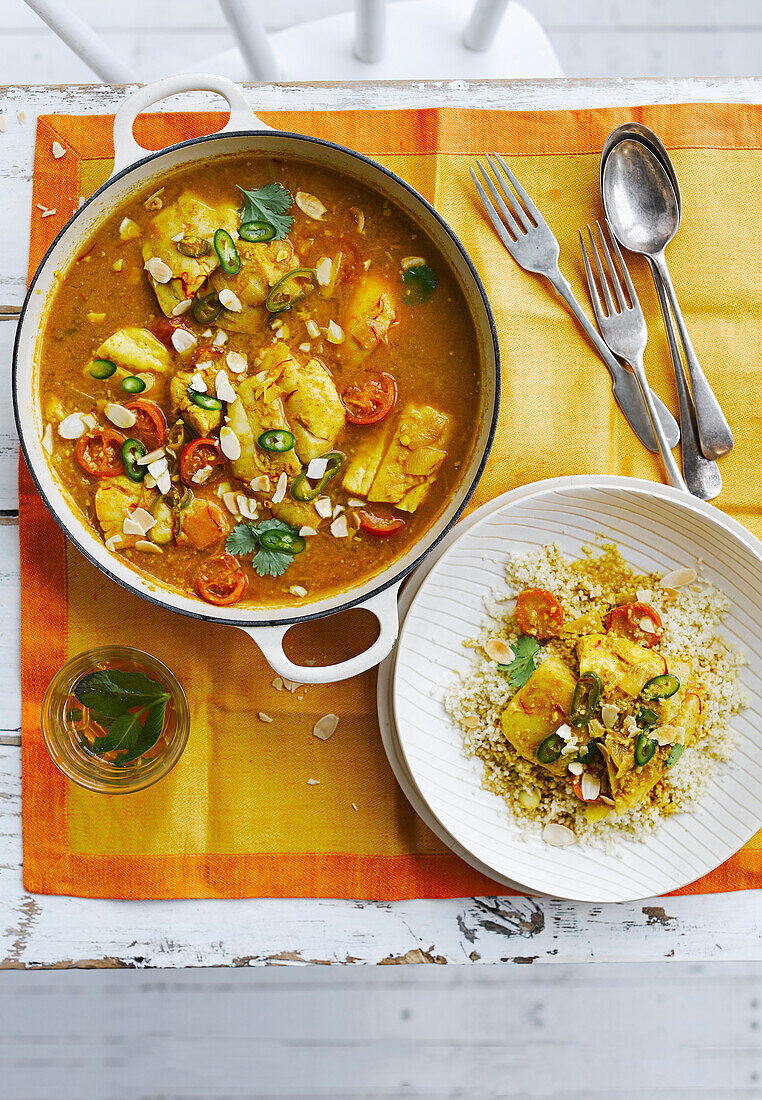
{"x":68,"y":746}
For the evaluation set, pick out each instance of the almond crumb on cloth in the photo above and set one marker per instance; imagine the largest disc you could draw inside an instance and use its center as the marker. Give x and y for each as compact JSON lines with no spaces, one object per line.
{"x":325,"y":727}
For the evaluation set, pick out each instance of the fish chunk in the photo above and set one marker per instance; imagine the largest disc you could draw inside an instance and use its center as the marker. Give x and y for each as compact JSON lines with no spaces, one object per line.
{"x":538,"y":708}
{"x":260,"y":407}
{"x":411,"y":463}
{"x":136,"y":348}
{"x":202,"y":421}
{"x":193,"y":218}
{"x":262,"y":266}
{"x":313,"y":407}
{"x":370,"y":315}
{"x":622,"y":665}
{"x":115,"y":498}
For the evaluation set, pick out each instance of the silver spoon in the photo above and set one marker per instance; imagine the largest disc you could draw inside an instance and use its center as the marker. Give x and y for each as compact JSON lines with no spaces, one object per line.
{"x":702,"y":475}
{"x":643,"y":212}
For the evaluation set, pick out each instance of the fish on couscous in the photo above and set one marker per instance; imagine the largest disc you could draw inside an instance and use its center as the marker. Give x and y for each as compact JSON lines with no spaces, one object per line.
{"x":600,"y":701}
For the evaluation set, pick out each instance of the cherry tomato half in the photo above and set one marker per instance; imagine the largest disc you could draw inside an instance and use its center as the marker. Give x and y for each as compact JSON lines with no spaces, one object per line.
{"x":198,"y":455}
{"x":99,"y":453}
{"x":205,"y":353}
{"x":164,"y":327}
{"x":539,"y":613}
{"x":150,"y":423}
{"x":370,"y":400}
{"x":639,"y":622}
{"x":220,"y":580}
{"x":380,"y":526}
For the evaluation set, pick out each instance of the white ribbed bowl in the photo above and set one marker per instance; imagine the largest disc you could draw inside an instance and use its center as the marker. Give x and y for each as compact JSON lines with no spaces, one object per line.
{"x":655,"y":527}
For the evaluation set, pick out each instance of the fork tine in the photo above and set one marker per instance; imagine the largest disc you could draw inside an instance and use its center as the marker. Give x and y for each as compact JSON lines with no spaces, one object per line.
{"x":516,"y":208}
{"x":507,"y":214}
{"x":492,"y":214}
{"x":622,"y":265}
{"x":599,"y":265}
{"x":521,"y":192}
{"x":615,"y":278}
{"x":594,"y":295}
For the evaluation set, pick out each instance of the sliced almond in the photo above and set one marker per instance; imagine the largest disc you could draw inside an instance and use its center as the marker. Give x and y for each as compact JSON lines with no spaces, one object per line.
{"x":339,"y":528}
{"x":182,"y":307}
{"x":278,"y":683}
{"x":158,"y":466}
{"x":558,"y":836}
{"x":152,"y":456}
{"x":57,"y":150}
{"x":131,"y":526}
{"x":129,"y":229}
{"x":197,"y":384}
{"x":310,"y":205}
{"x":323,"y":507}
{"x":230,"y":444}
{"x":221,"y":337}
{"x":223,"y":389}
{"x":305,"y":532}
{"x":71,"y":427}
{"x":144,"y":518}
{"x":164,"y":483}
{"x":182,"y":340}
{"x":609,"y":715}
{"x":298,"y":591}
{"x":230,"y":301}
{"x":280,"y":490}
{"x":325,"y":727}
{"x":647,"y":626}
{"x":575,"y":767}
{"x":591,"y":787}
{"x":470,"y":721}
{"x":411,"y":261}
{"x":264,"y":717}
{"x":323,"y":271}
{"x":147,"y":547}
{"x":118,"y":415}
{"x":498,"y":650}
{"x":236,"y":362}
{"x":334,"y":334}
{"x":157,"y":269}
{"x":260,"y":484}
{"x":312,"y":328}
{"x":678,"y":577}
{"x":230,"y":500}
{"x":565,"y":732}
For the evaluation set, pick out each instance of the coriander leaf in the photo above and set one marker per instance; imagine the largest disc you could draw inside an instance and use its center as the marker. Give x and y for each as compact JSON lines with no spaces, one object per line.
{"x":273,"y":525}
{"x":150,"y":733}
{"x":268,"y":204}
{"x":420,"y":282}
{"x":522,"y":665}
{"x":242,"y":539}
{"x":271,"y":563}
{"x":113,"y":691}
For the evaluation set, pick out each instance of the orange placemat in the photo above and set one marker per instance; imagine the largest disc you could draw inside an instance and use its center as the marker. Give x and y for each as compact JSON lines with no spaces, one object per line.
{"x":238,"y":817}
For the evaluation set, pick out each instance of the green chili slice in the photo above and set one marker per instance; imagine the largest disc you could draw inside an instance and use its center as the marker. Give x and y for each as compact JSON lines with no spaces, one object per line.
{"x":301,"y":488}
{"x":287,"y":291}
{"x":276,"y":440}
{"x":176,"y":437}
{"x":590,"y":751}
{"x":194,"y":247}
{"x":132,"y":450}
{"x":205,"y":401}
{"x":101,"y":368}
{"x":647,"y":717}
{"x":224,"y":246}
{"x":674,"y":756}
{"x":131,"y":384}
{"x":289,"y":542}
{"x":645,"y":747}
{"x":550,"y":749}
{"x":257,"y":232}
{"x":585,"y":699}
{"x":660,"y":687}
{"x":206,"y":307}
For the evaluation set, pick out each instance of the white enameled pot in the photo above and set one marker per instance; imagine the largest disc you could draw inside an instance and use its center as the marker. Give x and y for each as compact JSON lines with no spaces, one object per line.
{"x":135,"y":170}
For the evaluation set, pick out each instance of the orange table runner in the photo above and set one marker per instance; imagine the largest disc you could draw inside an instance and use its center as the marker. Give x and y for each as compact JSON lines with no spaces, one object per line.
{"x":238,"y":816}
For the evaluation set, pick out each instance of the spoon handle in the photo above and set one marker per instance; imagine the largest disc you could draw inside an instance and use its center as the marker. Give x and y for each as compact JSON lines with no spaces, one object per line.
{"x":701,"y":474}
{"x":714,"y":432}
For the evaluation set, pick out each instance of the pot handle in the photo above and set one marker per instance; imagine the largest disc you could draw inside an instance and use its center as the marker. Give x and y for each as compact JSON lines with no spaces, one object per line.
{"x":127,"y":150}
{"x":270,"y":641}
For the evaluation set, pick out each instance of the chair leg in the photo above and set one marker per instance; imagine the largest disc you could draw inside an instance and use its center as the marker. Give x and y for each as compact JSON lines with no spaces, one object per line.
{"x":251,"y":39}
{"x":484,"y":24}
{"x":84,"y":42}
{"x":370,"y":30}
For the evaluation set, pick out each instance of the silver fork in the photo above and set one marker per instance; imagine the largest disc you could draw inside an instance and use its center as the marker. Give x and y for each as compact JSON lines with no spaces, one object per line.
{"x":535,"y":248}
{"x":624,"y":330}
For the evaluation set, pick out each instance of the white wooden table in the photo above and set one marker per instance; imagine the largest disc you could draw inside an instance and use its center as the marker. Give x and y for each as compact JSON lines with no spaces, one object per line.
{"x":41,"y":931}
